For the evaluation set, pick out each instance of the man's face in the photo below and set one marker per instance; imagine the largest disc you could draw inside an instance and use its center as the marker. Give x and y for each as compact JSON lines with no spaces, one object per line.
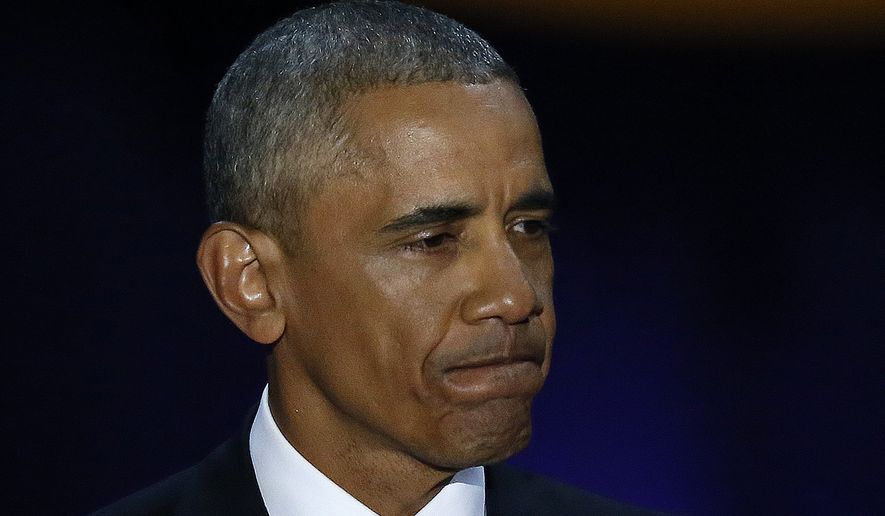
{"x":419,"y":305}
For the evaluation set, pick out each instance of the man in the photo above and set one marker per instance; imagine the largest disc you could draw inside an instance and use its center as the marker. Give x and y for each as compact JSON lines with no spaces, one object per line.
{"x":382,"y":209}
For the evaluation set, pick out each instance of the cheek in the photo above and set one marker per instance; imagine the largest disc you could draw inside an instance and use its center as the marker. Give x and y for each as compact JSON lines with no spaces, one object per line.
{"x":419,"y":305}
{"x":407,"y":311}
{"x":542,"y":281}
{"x":411,"y":293}
{"x":548,"y":320}
{"x":538,"y":265}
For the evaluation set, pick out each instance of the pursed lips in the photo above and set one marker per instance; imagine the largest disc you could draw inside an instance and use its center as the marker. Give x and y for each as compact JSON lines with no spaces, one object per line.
{"x":516,"y":371}
{"x":536,"y":356}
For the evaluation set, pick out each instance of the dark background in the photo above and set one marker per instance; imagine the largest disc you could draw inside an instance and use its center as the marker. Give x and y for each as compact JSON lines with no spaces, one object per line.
{"x":719,"y":267}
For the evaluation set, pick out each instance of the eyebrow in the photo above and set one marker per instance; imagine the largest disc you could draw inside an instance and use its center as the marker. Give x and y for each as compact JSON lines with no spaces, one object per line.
{"x":435,"y":214}
{"x":448,"y":212}
{"x":535,"y":199}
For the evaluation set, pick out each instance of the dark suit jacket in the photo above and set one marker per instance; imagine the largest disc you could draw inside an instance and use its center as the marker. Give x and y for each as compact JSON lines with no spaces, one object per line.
{"x":224,"y":484}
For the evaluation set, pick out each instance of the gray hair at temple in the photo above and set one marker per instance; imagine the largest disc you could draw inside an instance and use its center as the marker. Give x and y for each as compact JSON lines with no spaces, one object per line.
{"x":274,"y":129}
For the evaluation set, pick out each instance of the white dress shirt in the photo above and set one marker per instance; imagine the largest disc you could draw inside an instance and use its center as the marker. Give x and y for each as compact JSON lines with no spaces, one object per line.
{"x":290,"y":485}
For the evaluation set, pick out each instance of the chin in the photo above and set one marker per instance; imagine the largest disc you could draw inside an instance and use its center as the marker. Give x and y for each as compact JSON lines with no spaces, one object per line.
{"x":488,"y":433}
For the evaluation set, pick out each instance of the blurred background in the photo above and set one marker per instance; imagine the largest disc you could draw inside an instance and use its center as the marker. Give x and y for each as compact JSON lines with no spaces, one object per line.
{"x":720,"y":261}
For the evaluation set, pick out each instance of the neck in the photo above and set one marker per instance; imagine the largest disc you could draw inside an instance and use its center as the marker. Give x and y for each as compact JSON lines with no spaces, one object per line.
{"x":366,"y":465}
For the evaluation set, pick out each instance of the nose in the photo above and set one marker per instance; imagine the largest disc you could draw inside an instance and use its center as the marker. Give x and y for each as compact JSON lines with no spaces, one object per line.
{"x":502,"y":288}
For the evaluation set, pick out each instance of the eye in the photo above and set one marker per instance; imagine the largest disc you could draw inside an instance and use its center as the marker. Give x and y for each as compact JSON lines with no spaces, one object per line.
{"x":532,"y":227}
{"x":431,"y":243}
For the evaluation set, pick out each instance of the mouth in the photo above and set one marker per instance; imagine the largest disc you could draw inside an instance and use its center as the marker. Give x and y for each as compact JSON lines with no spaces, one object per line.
{"x":495,"y":377}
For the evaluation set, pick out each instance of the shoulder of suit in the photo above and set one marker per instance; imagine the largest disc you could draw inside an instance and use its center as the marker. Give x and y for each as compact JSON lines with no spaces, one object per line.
{"x":159,"y":499}
{"x":512,"y":491}
{"x":221,"y":484}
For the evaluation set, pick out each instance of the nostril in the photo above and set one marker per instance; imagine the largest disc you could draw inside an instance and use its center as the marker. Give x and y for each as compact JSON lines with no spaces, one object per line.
{"x":537,"y":310}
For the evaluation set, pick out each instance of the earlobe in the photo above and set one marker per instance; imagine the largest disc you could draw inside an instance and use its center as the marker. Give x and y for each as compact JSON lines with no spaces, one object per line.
{"x":236,"y":274}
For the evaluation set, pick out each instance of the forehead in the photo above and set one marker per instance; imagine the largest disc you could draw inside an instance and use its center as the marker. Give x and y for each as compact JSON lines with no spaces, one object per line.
{"x":404,"y":111}
{"x":445,"y":133}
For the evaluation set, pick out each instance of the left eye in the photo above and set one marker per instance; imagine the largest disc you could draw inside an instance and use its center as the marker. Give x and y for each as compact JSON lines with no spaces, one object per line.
{"x":531,"y":227}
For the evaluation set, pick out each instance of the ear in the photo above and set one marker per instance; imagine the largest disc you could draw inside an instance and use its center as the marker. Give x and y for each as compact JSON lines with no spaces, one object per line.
{"x":236,"y":263}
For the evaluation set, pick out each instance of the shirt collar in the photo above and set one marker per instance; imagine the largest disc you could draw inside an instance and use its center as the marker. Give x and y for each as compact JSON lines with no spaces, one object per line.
{"x":289,"y":484}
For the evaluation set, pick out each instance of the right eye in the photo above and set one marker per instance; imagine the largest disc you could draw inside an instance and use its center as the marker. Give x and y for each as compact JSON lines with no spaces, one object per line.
{"x":430,"y":243}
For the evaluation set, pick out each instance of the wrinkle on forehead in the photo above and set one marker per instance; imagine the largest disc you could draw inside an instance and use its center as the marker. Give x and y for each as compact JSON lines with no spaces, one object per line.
{"x":413,"y":130}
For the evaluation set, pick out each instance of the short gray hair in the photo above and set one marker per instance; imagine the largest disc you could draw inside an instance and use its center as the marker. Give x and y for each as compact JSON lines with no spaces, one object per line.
{"x":273,"y":126}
